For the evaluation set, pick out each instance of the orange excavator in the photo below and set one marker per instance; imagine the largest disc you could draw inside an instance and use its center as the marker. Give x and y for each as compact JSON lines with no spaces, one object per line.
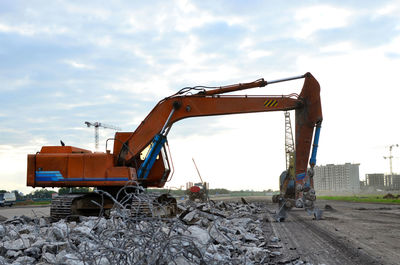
{"x":142,"y":156}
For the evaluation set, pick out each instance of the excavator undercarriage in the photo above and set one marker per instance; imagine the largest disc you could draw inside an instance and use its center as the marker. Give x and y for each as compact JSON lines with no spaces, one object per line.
{"x":99,"y":203}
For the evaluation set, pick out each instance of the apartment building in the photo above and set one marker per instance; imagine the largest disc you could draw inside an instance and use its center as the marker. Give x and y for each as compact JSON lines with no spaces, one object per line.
{"x":332,"y":177}
{"x":392,"y":182}
{"x":376,"y":180}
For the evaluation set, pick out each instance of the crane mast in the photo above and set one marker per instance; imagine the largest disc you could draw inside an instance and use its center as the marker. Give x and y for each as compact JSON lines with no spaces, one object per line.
{"x":289,"y":144}
{"x":390,"y":157}
{"x":198,"y":172}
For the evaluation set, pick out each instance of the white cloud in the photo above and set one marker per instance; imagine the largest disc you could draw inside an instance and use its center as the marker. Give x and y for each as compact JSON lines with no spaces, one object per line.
{"x":389,"y":9}
{"x":189,"y":54}
{"x":23,"y":30}
{"x":180,"y":15}
{"x":256,"y":54}
{"x":103,"y":41}
{"x":193,"y":17}
{"x":338,"y":47}
{"x":151,"y":89}
{"x":185,"y":6}
{"x":69,"y":106}
{"x":90,"y":12}
{"x":32,"y":29}
{"x":247,"y":43}
{"x":314,"y":18}
{"x":392,"y":47}
{"x":78,"y":65}
{"x":8,"y":84}
{"x":58,"y":94}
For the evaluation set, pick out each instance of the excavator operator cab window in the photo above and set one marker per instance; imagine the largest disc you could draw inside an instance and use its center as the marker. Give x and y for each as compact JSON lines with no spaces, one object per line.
{"x":144,"y":153}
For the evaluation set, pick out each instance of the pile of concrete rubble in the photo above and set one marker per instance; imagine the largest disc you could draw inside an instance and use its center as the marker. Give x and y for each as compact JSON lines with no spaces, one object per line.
{"x":202,"y":233}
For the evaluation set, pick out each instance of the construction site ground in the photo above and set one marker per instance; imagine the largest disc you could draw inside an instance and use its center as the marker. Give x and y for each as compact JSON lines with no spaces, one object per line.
{"x":349,"y":233}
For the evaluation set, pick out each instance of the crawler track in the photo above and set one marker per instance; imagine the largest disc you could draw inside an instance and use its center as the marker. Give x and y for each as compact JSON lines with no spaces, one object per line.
{"x":61,"y":206}
{"x":141,"y":205}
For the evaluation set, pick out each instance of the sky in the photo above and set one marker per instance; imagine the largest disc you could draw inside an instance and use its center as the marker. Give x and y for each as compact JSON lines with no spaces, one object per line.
{"x":66,"y":62}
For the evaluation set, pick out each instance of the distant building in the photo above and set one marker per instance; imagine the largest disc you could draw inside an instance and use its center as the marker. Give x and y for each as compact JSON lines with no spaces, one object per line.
{"x":337,"y":177}
{"x":363,"y":184}
{"x":376,"y":180}
{"x":392,"y":182}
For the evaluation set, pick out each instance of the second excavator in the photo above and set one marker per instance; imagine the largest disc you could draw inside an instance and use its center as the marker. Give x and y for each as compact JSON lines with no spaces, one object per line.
{"x":142,"y":156}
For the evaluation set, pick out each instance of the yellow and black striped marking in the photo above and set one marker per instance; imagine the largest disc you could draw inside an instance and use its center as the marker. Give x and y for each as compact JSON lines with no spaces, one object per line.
{"x":271,"y":103}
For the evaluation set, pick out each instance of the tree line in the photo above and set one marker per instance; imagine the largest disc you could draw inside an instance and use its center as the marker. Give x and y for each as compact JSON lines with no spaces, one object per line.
{"x":47,"y":194}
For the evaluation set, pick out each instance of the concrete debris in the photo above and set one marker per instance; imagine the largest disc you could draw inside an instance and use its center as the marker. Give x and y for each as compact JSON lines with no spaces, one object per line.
{"x":25,"y":260}
{"x":2,"y":231}
{"x":202,"y":236}
{"x":202,"y":233}
{"x":274,"y":239}
{"x":33,"y":252}
{"x":13,"y":254}
{"x":16,"y":244}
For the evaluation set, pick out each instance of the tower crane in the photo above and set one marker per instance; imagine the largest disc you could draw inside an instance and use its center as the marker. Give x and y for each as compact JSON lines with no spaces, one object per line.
{"x":96,"y":126}
{"x":390,"y":157}
{"x":289,"y":144}
{"x":289,"y":154}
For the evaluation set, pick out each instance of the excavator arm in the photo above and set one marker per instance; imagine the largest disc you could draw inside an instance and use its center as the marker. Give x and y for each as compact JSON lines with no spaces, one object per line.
{"x":157,"y":124}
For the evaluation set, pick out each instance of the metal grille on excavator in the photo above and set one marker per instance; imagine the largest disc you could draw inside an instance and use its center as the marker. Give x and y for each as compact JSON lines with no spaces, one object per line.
{"x":153,"y":205}
{"x":142,"y":205}
{"x":61,"y":206}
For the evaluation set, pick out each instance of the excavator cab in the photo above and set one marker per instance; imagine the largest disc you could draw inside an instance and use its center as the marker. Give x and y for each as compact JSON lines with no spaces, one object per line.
{"x":159,"y":172}
{"x":161,"y":169}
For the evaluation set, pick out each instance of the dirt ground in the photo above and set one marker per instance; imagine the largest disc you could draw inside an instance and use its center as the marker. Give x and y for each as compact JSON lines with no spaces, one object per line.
{"x":31,"y":211}
{"x":349,"y":233}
